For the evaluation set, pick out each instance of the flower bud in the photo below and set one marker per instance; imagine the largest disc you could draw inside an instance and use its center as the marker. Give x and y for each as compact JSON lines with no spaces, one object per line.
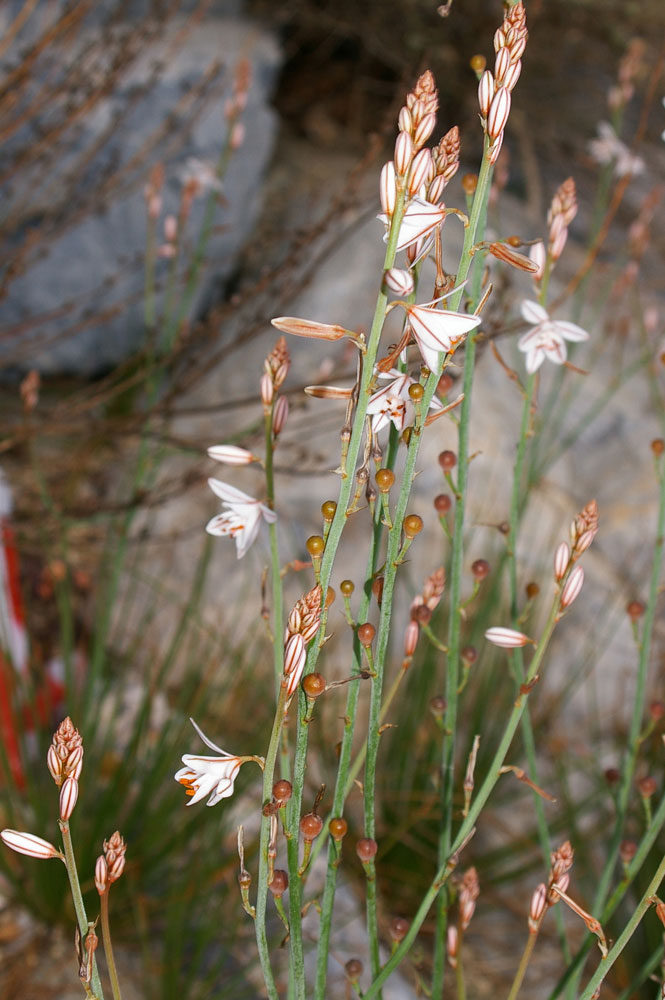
{"x":267,"y":389}
{"x":497,"y":116}
{"x":279,"y":416}
{"x":387,"y":187}
{"x":424,"y":129}
{"x":230,"y":454}
{"x":69,"y":794}
{"x":538,"y":906}
{"x":27,"y":843}
{"x":421,"y":171}
{"x":561,"y":560}
{"x":485,"y":92}
{"x":399,"y":280}
{"x":403,"y":153}
{"x":101,"y":875}
{"x":507,"y":638}
{"x":572,"y":587}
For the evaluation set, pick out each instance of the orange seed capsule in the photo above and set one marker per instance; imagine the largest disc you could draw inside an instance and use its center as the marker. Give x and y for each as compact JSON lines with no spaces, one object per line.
{"x":385,"y":480}
{"x":480,"y":569}
{"x":442,"y":503}
{"x":311,"y":826}
{"x":469,"y":184}
{"x":416,"y":392}
{"x":366,"y":634}
{"x":315,"y":545}
{"x":635,"y":610}
{"x":398,"y":928}
{"x":338,"y":828}
{"x":347,"y":587}
{"x":314,"y":685}
{"x":366,"y":849}
{"x":478,"y":63}
{"x":658,"y":446}
{"x":447,"y":460}
{"x":328,"y":509}
{"x":413,"y":525}
{"x":354,"y":969}
{"x":280,"y":882}
{"x":281,"y":791}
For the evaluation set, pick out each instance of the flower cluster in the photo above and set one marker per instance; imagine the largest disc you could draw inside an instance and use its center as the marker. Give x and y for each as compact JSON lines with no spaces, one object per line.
{"x":65,"y":762}
{"x":494,"y":89}
{"x":302,"y":626}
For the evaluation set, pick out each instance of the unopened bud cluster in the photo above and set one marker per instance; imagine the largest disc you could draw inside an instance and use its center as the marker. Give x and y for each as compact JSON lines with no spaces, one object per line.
{"x":276,"y":367}
{"x":421,"y":609}
{"x":111,"y":864}
{"x":545,"y":896}
{"x":65,"y":762}
{"x":494,"y":89}
{"x":302,"y":626}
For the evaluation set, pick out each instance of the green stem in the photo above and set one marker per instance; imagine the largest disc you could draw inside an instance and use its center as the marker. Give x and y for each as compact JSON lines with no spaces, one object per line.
{"x":262,"y":888}
{"x":277,"y":589}
{"x":108,"y":946}
{"x":524,"y":962}
{"x":468,"y":825}
{"x":478,"y":211}
{"x":625,"y":936}
{"x":77,"y":897}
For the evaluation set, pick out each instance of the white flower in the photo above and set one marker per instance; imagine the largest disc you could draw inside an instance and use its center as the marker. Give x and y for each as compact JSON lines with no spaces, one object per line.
{"x":200,"y":175}
{"x":241,"y":519}
{"x":214,"y":776}
{"x":547,"y":337}
{"x":608,"y":148}
{"x":392,"y":402}
{"x":438,"y":330}
{"x":420,"y":218}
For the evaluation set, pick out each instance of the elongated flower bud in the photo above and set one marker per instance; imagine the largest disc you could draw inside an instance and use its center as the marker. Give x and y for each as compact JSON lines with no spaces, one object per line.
{"x":485,"y":92}
{"x":295,"y":655}
{"x":267,"y":389}
{"x":310,"y":328}
{"x":29,"y":844}
{"x":411,"y":634}
{"x":404,"y":120}
{"x":504,"y":252}
{"x":538,"y":256}
{"x":497,"y":116}
{"x":399,"y":280}
{"x":561,"y":560}
{"x":403,"y":153}
{"x":387,"y":188}
{"x":422,"y":169}
{"x":538,"y":906}
{"x":423,"y":130}
{"x":231,"y":454}
{"x":280,"y":414}
{"x":507,"y":638}
{"x":101,"y":875}
{"x":69,"y":794}
{"x":572,"y":587}
{"x":328,"y":392}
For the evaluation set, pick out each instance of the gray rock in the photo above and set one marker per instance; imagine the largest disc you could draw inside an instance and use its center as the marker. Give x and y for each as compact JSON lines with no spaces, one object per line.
{"x":87,"y":262}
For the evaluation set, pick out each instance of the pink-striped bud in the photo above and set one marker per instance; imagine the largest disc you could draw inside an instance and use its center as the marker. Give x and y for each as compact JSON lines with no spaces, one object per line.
{"x":512,"y":75}
{"x":27,"y":843}
{"x":584,"y":541}
{"x":328,"y":391}
{"x":387,"y":187}
{"x":237,"y":136}
{"x":497,"y":116}
{"x":539,"y":257}
{"x":101,"y":875}
{"x":267,"y":390}
{"x":495,"y":149}
{"x":399,"y":280}
{"x":537,"y":907}
{"x":506,"y":253}
{"x":170,"y":228}
{"x":501,"y":65}
{"x":75,"y":763}
{"x":452,"y":943}
{"x":310,"y":328}
{"x":507,"y":638}
{"x":561,"y":883}
{"x":69,"y":794}
{"x":279,"y":416}
{"x":403,"y":153}
{"x":485,"y":92}
{"x":411,"y":634}
{"x":558,"y":243}
{"x":116,"y":867}
{"x":436,"y":188}
{"x":422,"y":169}
{"x":572,"y":587}
{"x":295,"y":655}
{"x":54,"y":764}
{"x":561,"y":560}
{"x":423,"y":130}
{"x":499,"y":39}
{"x":230,"y":454}
{"x":404,"y":120}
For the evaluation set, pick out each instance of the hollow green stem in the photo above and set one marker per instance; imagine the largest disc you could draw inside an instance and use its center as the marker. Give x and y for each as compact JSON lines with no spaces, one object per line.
{"x":77,"y":897}
{"x":471,"y":236}
{"x":625,"y":936}
{"x":524,"y":963}
{"x":108,"y":946}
